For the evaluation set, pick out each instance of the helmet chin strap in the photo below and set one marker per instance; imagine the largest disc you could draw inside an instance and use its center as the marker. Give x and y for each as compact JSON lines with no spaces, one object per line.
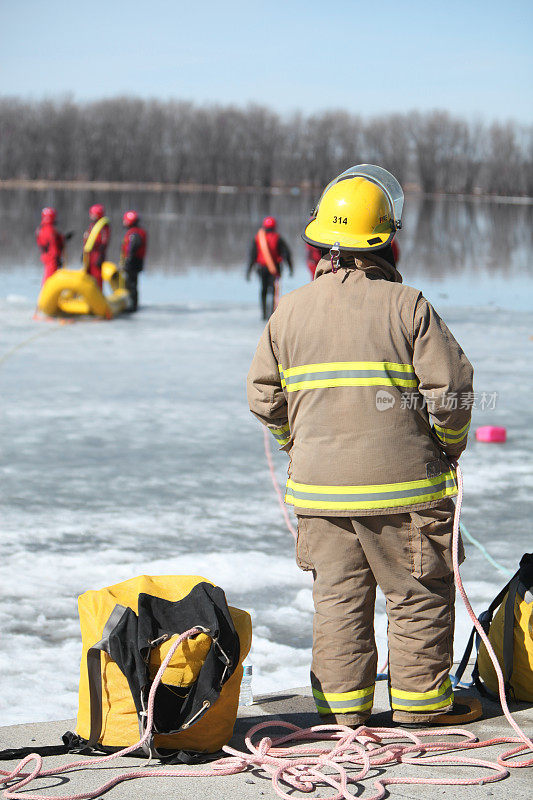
{"x":335,"y":253}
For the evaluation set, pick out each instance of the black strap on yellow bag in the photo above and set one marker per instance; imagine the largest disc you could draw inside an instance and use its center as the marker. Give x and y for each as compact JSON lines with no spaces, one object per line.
{"x":507,"y":623}
{"x":17,"y":753}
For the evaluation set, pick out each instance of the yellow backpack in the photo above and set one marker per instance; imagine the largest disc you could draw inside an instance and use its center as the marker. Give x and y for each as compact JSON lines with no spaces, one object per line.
{"x":127,"y":630}
{"x":510,"y":633}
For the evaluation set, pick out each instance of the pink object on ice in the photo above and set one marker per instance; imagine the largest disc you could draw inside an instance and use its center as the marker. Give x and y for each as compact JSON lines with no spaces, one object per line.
{"x":491,"y":433}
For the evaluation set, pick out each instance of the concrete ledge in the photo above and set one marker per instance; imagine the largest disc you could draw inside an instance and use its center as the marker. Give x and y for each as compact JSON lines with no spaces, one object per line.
{"x":295,"y":706}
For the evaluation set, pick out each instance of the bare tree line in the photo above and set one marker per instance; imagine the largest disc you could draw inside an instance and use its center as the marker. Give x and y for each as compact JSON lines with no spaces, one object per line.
{"x":130,"y":139}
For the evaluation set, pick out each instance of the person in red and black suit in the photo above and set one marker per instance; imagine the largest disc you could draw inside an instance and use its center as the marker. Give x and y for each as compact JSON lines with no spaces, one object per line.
{"x":268,"y":251}
{"x":132,"y":254}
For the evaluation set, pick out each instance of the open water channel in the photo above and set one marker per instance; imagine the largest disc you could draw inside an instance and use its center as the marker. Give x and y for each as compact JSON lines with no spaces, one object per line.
{"x":126,"y":447}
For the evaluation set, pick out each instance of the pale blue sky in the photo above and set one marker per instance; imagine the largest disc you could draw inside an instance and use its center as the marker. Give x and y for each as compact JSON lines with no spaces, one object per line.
{"x":471,"y":58}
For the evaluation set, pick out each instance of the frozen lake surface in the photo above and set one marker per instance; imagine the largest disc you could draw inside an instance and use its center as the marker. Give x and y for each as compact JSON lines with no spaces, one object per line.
{"x":127,"y":447}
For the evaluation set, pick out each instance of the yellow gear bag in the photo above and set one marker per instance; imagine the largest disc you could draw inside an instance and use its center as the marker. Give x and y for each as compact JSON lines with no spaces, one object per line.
{"x":127,"y":630}
{"x":510,"y":633}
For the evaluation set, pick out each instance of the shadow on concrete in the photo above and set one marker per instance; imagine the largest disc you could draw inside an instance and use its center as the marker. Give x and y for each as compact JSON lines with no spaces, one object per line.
{"x":303,"y":719}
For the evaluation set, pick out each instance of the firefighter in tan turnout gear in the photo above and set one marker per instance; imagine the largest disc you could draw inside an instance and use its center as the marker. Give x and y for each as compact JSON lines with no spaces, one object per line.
{"x":362,"y":383}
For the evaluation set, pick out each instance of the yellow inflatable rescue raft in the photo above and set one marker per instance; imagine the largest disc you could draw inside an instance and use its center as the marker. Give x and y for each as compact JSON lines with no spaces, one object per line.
{"x":73,"y":292}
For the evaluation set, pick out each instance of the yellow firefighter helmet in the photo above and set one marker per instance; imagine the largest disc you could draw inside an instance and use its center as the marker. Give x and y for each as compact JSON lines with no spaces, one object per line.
{"x":361,"y":209}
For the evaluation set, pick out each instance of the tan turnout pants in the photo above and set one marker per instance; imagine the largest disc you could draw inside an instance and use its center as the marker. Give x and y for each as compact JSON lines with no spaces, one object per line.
{"x":409,"y":556}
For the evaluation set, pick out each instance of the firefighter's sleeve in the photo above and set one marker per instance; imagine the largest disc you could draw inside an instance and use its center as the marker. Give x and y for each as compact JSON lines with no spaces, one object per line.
{"x":266,"y":397}
{"x":445,"y":378}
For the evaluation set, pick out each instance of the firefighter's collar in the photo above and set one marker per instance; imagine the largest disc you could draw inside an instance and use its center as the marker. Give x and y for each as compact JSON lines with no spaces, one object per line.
{"x":368,"y":263}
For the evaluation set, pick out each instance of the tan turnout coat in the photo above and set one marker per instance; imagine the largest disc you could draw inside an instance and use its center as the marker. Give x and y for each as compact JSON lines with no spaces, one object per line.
{"x":362,"y":383}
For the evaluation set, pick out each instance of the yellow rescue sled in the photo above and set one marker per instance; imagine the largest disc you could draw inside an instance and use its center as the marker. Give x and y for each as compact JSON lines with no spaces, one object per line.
{"x":70,"y":292}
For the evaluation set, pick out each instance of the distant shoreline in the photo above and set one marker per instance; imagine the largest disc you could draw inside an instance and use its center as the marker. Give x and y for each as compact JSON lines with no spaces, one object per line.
{"x":193,"y":188}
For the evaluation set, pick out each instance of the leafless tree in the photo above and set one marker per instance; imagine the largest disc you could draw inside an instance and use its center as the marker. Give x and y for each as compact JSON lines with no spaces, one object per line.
{"x":504,"y":167}
{"x":387,"y":143}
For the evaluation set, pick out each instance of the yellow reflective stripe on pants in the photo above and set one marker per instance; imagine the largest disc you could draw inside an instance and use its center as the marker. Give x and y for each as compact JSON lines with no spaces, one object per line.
{"x":282,"y":435}
{"x":450,"y":435}
{"x":386,"y":495}
{"x":349,"y":373}
{"x":422,"y":701}
{"x":344,"y":702}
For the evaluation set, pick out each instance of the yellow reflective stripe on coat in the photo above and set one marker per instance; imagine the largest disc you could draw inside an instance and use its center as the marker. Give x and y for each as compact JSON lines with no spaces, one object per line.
{"x":95,"y":230}
{"x":344,"y":702}
{"x":450,"y":435}
{"x":282,"y":435}
{"x":349,"y":373}
{"x":385,"y":495}
{"x":422,"y":701}
{"x":282,"y":376}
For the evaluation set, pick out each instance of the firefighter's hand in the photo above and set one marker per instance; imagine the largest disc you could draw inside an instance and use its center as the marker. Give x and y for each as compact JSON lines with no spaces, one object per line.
{"x":450,"y":460}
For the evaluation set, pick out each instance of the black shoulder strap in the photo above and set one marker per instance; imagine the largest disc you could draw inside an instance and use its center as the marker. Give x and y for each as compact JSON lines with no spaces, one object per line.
{"x":485,"y":618}
{"x":94,"y":672}
{"x":464,"y":661}
{"x":21,"y":752}
{"x":508,"y":633}
{"x":480,"y":686}
{"x":499,"y":597}
{"x":526,"y":571}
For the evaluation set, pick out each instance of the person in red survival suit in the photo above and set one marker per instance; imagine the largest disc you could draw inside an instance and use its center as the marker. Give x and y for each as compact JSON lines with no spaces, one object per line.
{"x":314,"y":254}
{"x":268,"y":251}
{"x":95,"y":241}
{"x":395,"y":250}
{"x":50,"y":242}
{"x":132,"y":254}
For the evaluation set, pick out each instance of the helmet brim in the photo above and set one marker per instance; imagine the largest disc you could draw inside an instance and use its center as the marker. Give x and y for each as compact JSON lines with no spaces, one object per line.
{"x":315,"y":235}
